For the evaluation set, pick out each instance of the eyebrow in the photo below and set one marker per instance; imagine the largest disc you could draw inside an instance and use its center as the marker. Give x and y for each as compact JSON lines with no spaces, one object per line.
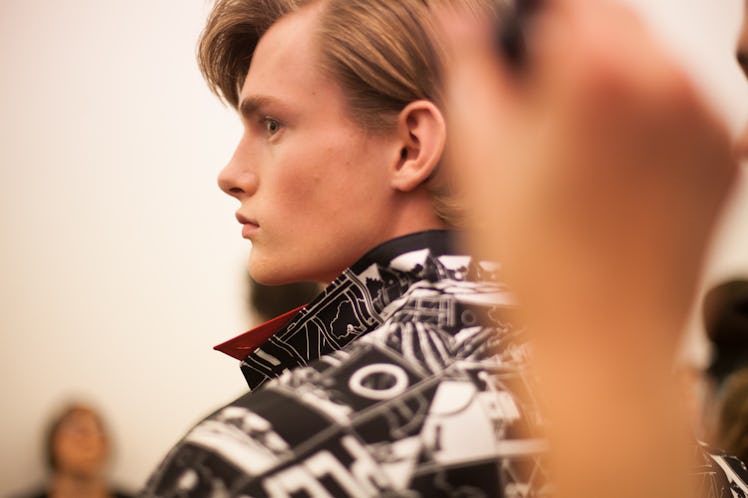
{"x":252,"y":105}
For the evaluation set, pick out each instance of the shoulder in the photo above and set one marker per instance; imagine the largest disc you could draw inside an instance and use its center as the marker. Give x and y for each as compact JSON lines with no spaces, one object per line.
{"x":426,"y":389}
{"x":401,"y":397}
{"x":450,"y":319}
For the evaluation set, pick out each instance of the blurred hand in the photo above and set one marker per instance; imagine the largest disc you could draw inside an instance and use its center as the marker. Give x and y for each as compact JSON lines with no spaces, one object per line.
{"x":594,"y":173}
{"x":595,"y":163}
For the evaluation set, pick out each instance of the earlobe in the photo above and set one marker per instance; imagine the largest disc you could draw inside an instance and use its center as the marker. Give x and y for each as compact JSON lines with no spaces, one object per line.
{"x":422,"y":133}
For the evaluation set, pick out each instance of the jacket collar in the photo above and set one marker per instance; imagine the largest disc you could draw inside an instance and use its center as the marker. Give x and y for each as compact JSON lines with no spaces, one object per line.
{"x":352,"y":305}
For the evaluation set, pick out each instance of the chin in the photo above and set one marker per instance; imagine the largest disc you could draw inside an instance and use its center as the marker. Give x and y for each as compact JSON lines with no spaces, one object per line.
{"x":270,"y":274}
{"x":265,"y":278}
{"x":278,"y":274}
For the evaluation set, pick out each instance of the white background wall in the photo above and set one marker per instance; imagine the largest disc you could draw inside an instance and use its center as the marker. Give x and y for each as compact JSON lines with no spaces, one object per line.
{"x":121,"y":262}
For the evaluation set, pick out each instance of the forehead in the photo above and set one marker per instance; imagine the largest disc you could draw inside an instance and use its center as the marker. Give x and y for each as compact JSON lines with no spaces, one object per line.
{"x":287,"y":57}
{"x":80,"y":415}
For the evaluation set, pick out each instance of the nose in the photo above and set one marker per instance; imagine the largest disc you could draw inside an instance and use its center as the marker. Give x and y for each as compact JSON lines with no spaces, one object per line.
{"x":237,"y":179}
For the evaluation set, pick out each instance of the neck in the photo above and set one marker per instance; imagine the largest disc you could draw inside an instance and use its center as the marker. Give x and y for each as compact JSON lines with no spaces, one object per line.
{"x":412,"y":212}
{"x":67,"y":485}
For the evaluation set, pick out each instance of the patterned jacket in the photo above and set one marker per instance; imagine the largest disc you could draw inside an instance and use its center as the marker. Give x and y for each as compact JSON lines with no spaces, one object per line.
{"x":404,"y":377}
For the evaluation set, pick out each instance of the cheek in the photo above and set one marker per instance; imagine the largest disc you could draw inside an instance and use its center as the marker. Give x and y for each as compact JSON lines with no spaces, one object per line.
{"x":301,"y":205}
{"x":314,"y":181}
{"x":288,"y":172}
{"x":66,"y":451}
{"x":318,"y":181}
{"x":60,"y":449}
{"x":296,"y":192}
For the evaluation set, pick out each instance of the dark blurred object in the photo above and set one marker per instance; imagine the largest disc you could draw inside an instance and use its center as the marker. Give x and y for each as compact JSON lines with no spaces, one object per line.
{"x":732,"y":423}
{"x":725,"y":314}
{"x":269,"y":301}
{"x":510,"y":35}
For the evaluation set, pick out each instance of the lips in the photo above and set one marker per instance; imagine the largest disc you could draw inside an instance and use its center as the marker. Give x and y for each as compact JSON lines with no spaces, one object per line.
{"x":249,"y":226}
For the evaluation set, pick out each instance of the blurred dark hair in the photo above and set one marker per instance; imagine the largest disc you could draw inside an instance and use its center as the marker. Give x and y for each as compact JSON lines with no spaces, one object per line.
{"x":725,"y":314}
{"x":732,"y":425}
{"x":269,"y":301}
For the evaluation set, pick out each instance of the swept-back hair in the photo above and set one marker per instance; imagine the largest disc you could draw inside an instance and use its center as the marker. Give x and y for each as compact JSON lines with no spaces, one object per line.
{"x":383,"y":53}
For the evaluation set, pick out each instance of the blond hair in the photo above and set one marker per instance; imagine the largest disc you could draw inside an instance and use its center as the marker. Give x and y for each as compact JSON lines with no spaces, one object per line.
{"x":382,"y":53}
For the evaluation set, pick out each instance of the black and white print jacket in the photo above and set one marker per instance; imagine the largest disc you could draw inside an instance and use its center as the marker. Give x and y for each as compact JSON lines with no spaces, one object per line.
{"x":405,"y":377}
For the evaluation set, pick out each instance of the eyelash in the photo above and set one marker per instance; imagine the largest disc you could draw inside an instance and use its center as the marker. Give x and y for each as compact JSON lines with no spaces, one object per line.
{"x":267,"y":122}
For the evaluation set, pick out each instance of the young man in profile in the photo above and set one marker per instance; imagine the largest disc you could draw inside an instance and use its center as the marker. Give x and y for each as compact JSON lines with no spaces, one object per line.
{"x":406,"y":376}
{"x":400,"y":378}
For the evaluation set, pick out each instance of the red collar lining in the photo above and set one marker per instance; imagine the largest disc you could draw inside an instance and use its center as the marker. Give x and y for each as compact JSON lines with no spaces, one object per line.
{"x":242,"y":345}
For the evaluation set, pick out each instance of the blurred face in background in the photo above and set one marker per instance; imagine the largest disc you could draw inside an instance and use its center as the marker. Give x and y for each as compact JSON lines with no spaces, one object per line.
{"x":79,"y":444}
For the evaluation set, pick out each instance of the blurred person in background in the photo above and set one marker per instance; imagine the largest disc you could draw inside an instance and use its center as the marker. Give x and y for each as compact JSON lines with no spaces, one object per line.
{"x":595,"y":173}
{"x":78,"y":449}
{"x":725,"y":313}
{"x":732,"y":422}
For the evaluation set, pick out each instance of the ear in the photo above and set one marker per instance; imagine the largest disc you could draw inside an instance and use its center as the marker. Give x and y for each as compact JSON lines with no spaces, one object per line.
{"x":421,"y":134}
